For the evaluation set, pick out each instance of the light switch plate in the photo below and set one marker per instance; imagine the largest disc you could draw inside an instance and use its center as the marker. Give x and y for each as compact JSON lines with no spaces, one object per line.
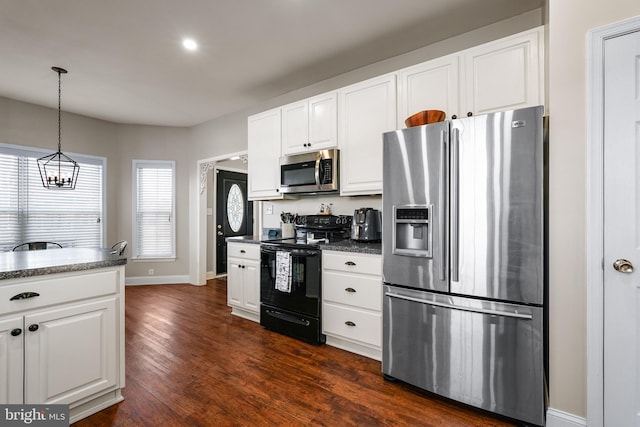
{"x":268,"y":208}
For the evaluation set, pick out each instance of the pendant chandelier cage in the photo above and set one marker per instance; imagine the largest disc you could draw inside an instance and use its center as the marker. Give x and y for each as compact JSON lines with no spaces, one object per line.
{"x":58,"y":171}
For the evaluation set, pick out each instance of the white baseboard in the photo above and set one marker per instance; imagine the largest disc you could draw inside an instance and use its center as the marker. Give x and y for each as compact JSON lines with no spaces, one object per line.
{"x":557,"y":418}
{"x":156,"y":280}
{"x":211,"y":275}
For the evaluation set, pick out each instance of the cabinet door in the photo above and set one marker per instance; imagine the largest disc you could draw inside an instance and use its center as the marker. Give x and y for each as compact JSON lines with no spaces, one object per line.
{"x":70,"y":352}
{"x":251,"y":285}
{"x":264,"y":133}
{"x":505,"y":74}
{"x":323,"y":121}
{"x":432,"y":85}
{"x":295,"y":127}
{"x":11,"y":360}
{"x":235,"y":281}
{"x":367,"y":110}
{"x":310,"y":125}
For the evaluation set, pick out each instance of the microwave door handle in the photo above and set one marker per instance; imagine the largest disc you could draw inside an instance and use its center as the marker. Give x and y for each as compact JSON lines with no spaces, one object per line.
{"x":318,"y":166}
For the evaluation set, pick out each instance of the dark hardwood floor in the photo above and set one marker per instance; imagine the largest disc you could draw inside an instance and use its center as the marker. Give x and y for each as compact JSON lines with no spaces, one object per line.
{"x":190,"y":362}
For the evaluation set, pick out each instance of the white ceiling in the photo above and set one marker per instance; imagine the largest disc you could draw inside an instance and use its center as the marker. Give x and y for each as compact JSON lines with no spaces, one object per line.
{"x":126,"y":63}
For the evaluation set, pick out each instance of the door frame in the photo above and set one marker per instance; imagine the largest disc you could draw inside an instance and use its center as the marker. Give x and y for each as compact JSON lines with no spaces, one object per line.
{"x":198,"y":217}
{"x":595,"y":214}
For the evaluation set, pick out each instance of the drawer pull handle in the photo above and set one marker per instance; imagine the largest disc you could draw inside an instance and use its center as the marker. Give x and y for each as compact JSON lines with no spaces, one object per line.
{"x":24,"y":295}
{"x":15,"y":332}
{"x":351,"y":290}
{"x":242,"y":251}
{"x":33,"y":327}
{"x":349,"y":323}
{"x":350,"y":263}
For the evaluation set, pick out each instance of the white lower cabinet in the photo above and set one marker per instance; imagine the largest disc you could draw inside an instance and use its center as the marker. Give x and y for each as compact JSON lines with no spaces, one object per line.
{"x":11,"y":360}
{"x":243,"y":280}
{"x":352,"y":302}
{"x":62,"y":340}
{"x":70,"y":352}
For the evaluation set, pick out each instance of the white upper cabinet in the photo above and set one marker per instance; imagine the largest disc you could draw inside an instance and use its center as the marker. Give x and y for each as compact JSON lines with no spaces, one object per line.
{"x":310,"y":125}
{"x":366,"y":110}
{"x":504,"y":74}
{"x":432,"y":85}
{"x":263,"y":146}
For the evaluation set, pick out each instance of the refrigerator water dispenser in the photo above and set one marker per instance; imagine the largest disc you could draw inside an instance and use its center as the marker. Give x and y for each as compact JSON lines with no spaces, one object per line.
{"x":412,"y":230}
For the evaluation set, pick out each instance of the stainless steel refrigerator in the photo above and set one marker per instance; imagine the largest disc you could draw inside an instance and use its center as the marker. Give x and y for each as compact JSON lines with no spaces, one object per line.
{"x":464,"y":264}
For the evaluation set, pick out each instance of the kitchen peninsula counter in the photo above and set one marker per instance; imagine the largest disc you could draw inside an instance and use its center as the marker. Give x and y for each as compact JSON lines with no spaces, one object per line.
{"x":62,"y":318}
{"x":49,"y":261}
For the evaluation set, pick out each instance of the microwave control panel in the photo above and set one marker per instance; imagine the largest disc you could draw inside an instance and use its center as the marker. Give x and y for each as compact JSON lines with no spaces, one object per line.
{"x":326,"y":171}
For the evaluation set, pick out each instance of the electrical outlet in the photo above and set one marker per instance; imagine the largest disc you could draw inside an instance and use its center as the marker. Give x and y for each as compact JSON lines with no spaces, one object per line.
{"x":151,"y":272}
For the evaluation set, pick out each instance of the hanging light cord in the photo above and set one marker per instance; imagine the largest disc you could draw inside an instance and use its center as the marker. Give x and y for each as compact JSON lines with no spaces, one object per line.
{"x":59,"y":113}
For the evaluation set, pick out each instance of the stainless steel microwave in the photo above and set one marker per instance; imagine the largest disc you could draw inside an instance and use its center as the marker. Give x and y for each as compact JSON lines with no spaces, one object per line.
{"x":315,"y":172}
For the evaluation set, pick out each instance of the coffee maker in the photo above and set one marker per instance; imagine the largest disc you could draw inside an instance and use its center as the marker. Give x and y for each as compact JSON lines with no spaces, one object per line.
{"x":366,"y":225}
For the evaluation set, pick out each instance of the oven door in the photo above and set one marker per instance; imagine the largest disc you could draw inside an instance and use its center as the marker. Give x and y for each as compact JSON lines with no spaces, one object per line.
{"x":304,"y":297}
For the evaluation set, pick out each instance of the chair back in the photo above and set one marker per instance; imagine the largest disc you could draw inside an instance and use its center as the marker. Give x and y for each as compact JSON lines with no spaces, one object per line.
{"x":119,"y":247}
{"x":36,"y":246}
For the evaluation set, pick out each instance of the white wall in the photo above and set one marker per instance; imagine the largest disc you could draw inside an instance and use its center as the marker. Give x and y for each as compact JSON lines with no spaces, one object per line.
{"x":569,"y":21}
{"x":155,"y":143}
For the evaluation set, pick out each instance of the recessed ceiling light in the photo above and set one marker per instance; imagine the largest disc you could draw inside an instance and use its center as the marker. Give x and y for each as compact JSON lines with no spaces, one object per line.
{"x":190,"y":44}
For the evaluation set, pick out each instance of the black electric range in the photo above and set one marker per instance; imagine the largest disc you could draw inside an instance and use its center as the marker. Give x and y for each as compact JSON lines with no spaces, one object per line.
{"x":291,"y":277}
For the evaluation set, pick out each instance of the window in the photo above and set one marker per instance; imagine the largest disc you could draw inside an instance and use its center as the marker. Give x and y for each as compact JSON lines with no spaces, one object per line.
{"x":30,"y":212}
{"x":154,"y":209}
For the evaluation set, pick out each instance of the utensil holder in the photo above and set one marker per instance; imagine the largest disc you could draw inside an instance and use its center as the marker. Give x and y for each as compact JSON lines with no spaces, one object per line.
{"x":288,"y":231}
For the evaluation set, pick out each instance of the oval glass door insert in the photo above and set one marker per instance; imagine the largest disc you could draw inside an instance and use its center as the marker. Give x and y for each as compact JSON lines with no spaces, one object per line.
{"x":235,"y":208}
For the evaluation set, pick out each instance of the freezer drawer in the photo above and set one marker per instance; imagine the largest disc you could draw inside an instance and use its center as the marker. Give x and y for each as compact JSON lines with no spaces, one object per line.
{"x":482,"y":353}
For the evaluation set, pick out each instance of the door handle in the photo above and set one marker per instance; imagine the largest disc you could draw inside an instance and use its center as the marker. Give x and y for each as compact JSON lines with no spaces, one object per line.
{"x":219,"y":233}
{"x":623,"y":266}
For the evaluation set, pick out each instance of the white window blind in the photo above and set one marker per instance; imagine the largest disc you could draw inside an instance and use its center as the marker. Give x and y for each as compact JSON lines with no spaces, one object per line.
{"x":29,"y":212}
{"x":154,"y":183}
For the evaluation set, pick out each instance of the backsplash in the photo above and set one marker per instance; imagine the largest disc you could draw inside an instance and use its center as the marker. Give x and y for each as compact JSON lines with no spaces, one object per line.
{"x":310,"y":205}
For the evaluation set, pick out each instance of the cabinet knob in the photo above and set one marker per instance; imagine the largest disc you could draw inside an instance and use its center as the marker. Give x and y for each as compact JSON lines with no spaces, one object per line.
{"x":242,"y":251}
{"x":349,"y":323}
{"x":469,"y":114}
{"x":15,"y":332}
{"x":33,"y":327}
{"x":350,"y":290}
{"x":350,"y":263}
{"x":454,"y":117}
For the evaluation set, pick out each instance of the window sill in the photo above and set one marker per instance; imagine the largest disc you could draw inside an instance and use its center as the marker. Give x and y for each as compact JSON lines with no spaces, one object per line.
{"x":170,"y":259}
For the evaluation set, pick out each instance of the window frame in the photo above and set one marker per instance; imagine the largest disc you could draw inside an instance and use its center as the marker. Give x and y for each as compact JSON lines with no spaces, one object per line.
{"x":137,"y":164}
{"x":37,"y":152}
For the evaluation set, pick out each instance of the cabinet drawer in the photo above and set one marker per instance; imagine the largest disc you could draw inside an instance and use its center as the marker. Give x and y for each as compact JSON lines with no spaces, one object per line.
{"x":352,"y":324}
{"x":352,"y":262}
{"x":243,"y":250}
{"x":58,"y":288}
{"x":357,"y":290}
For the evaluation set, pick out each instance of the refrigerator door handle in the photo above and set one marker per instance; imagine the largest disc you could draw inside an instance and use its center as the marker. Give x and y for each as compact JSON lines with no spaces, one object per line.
{"x":455,"y":200}
{"x":461,"y":308}
{"x":442,"y":210}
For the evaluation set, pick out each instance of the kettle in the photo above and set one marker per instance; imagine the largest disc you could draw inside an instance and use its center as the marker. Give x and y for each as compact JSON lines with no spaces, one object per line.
{"x":366,"y":225}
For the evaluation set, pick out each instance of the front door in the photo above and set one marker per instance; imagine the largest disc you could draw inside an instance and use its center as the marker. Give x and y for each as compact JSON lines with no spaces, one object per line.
{"x":622,"y":230}
{"x":234,"y":213}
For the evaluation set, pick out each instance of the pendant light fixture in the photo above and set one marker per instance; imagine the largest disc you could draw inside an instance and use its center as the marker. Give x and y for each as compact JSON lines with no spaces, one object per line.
{"x":58,"y":171}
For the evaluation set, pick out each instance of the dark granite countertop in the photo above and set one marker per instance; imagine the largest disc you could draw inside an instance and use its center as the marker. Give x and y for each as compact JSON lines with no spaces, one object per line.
{"x":247,"y":239}
{"x":353,"y":246}
{"x":37,"y":263}
{"x":344,"y":246}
